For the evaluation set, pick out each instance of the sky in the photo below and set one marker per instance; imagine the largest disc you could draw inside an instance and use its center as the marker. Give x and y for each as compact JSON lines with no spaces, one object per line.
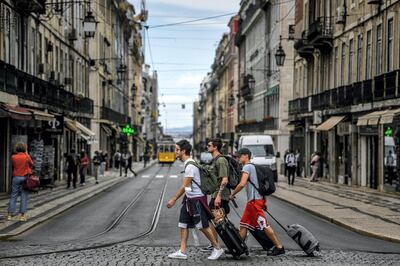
{"x":182,"y":55}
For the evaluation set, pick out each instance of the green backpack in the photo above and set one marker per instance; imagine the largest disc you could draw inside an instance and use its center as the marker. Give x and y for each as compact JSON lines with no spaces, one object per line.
{"x":209,"y":181}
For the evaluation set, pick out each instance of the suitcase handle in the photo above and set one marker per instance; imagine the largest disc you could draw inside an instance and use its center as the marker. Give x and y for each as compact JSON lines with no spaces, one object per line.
{"x":284,"y":228}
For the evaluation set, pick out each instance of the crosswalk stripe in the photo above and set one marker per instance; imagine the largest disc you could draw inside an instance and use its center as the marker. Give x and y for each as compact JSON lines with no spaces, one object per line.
{"x":159,"y":176}
{"x":173,"y":176}
{"x":145,"y":176}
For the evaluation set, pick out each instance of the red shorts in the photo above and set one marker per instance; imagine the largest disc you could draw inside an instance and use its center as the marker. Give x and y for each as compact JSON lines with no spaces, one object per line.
{"x":253,"y":216}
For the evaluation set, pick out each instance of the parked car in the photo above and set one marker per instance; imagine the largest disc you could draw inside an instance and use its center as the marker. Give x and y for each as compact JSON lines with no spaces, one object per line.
{"x":205,"y":158}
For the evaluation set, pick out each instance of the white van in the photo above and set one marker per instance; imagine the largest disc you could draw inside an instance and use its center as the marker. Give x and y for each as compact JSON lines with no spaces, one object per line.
{"x":262,"y":151}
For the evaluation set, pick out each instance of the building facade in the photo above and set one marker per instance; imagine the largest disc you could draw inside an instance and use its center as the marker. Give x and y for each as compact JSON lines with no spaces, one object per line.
{"x":346,"y":89}
{"x":55,"y":90}
{"x":264,"y":108}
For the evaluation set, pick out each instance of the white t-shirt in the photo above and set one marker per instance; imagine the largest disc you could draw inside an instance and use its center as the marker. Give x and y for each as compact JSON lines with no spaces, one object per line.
{"x":193,"y":172}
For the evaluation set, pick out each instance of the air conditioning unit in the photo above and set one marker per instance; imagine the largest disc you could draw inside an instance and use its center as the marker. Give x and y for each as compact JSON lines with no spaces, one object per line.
{"x":72,"y":36}
{"x":341,"y":15}
{"x":373,"y":2}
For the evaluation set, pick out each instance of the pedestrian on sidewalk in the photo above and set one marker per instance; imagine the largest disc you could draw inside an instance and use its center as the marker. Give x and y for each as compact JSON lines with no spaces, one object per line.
{"x":298,"y":163}
{"x":103,"y":163}
{"x":253,"y":217}
{"x":284,"y":163}
{"x":146,"y":158}
{"x":194,"y":211}
{"x":22,"y":167}
{"x":83,"y":165}
{"x":220,"y":167}
{"x":117,"y":159}
{"x":128,"y":164}
{"x":291,"y":166}
{"x":315,"y":161}
{"x":390,"y":167}
{"x":72,"y":168}
{"x":96,"y":164}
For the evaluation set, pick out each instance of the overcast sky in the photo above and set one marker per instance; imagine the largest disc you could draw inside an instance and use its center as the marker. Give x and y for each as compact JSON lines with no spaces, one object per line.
{"x":182,"y":55}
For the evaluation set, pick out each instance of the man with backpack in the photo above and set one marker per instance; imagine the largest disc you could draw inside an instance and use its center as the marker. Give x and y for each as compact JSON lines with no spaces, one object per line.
{"x":291,"y":166}
{"x":72,"y":168}
{"x":194,"y":211}
{"x":253,"y":217}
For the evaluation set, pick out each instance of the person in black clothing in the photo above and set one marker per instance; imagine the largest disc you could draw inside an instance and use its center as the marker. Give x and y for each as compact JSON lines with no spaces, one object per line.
{"x":128,"y":164}
{"x":72,"y":168}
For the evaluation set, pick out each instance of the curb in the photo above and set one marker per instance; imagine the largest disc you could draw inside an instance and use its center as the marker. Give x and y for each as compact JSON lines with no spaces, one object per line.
{"x":62,"y":207}
{"x":338,"y":222}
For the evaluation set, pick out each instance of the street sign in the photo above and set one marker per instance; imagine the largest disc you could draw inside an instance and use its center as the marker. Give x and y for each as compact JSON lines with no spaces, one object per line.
{"x":55,"y":126}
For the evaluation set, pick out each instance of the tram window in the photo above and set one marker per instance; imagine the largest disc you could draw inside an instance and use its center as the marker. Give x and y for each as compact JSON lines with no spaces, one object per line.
{"x":172,"y":148}
{"x":161,"y":148}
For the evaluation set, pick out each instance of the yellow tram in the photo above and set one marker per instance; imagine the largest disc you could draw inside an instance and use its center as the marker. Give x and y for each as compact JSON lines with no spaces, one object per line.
{"x":166,"y":152}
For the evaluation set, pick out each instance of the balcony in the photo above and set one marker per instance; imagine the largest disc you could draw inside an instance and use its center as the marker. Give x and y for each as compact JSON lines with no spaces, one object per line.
{"x":28,"y":87}
{"x":390,"y":84}
{"x":111,"y":115}
{"x":379,"y":87}
{"x":269,"y":123}
{"x":367,"y":91}
{"x":303,"y":47}
{"x":31,"y":6}
{"x":357,"y":93}
{"x":320,"y":33}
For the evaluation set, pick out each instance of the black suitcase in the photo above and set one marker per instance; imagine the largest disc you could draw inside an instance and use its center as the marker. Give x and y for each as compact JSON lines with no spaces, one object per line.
{"x":262,"y":239}
{"x":230,"y":236}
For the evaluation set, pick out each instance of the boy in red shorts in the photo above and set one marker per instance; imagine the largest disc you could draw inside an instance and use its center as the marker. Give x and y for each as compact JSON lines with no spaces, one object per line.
{"x":253,"y":217}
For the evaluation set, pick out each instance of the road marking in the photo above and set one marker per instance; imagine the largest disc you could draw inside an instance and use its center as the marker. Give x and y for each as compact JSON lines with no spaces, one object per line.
{"x":145,"y":176}
{"x":173,"y":176}
{"x":159,"y":176}
{"x":196,"y":238}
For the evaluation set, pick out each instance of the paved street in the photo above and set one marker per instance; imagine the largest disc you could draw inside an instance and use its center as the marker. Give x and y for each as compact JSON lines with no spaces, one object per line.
{"x":129,"y":224}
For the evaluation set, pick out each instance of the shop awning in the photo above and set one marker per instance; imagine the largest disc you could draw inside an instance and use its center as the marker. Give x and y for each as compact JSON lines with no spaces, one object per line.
{"x":102,"y":121}
{"x":330,"y":123}
{"x":40,"y":115}
{"x":371,"y":119}
{"x":84,"y":130}
{"x":70,"y":124}
{"x":107,"y":130}
{"x":17,"y":113}
{"x":388,"y":117}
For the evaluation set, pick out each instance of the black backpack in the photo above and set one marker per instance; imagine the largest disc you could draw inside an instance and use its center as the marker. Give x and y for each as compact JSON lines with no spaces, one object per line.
{"x":265,"y":178}
{"x":234,"y":171}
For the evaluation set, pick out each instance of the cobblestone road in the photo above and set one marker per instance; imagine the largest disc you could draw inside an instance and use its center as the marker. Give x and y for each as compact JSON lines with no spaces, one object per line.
{"x":128,"y":254}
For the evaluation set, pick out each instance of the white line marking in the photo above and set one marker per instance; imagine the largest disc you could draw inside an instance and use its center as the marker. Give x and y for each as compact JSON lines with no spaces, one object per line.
{"x":196,"y":238}
{"x":159,"y":176}
{"x":145,"y":176}
{"x":173,"y":176}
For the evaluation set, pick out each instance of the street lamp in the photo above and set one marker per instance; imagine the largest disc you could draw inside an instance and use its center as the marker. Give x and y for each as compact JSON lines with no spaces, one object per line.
{"x":280,"y":54}
{"x":251,"y":81}
{"x":121,"y":71}
{"x":89,"y":25}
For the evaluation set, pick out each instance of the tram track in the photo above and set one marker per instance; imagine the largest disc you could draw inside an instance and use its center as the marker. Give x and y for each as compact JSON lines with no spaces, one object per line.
{"x":113,"y":225}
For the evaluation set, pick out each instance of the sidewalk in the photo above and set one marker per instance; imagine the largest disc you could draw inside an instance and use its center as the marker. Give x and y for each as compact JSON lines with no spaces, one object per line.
{"x":50,"y":202}
{"x":359,"y":209}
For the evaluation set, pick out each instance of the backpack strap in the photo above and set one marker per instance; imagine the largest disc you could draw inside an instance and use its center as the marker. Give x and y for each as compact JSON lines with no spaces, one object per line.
{"x":198,"y":167}
{"x":251,"y":182}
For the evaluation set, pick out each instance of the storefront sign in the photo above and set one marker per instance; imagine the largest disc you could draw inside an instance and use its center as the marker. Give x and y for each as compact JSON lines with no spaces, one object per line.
{"x":369,"y":130}
{"x":55,"y":126}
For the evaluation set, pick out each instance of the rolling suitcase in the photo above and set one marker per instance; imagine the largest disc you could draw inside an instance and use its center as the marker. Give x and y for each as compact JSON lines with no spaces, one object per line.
{"x":304,"y":238}
{"x":262,"y":239}
{"x":230,"y":236}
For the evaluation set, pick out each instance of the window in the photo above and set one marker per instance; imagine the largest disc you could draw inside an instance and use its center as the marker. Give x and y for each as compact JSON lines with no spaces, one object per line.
{"x":368,"y":56}
{"x":389,"y":60}
{"x":379,"y":49}
{"x":351,"y":54}
{"x":343,"y":64}
{"x":359,"y":56}
{"x":336,"y":67}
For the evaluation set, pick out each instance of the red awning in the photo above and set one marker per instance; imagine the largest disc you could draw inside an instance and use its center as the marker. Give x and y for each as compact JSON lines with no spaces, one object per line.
{"x":17,"y":113}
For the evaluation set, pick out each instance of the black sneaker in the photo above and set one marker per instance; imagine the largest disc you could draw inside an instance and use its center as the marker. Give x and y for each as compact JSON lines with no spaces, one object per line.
{"x":276,"y":251}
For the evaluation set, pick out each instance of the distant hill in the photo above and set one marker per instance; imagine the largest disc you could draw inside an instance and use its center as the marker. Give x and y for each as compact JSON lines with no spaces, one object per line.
{"x":180,"y":131}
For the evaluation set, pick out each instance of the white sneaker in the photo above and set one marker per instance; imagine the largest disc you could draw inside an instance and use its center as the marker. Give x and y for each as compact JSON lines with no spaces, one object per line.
{"x":216,"y":254}
{"x":178,"y":255}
